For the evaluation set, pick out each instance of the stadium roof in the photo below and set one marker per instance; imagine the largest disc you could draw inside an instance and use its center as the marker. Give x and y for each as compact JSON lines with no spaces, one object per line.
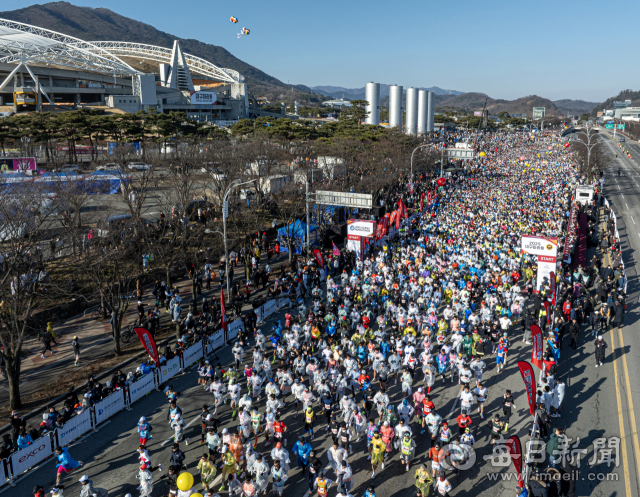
{"x":31,"y":45}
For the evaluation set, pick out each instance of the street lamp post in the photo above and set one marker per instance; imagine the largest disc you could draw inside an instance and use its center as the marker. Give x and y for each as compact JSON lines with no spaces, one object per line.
{"x":225,"y":214}
{"x":414,"y":151}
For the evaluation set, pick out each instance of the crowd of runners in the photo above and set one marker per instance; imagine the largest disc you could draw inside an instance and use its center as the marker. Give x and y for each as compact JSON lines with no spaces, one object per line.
{"x":424,"y":312}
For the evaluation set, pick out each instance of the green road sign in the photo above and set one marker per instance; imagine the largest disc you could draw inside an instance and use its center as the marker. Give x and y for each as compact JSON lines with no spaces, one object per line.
{"x":609,"y":126}
{"x":620,"y":126}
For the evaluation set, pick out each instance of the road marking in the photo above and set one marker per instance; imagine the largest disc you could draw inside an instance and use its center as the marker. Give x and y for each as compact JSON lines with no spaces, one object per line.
{"x":618,"y":187}
{"x":627,"y":205}
{"x":632,"y":220}
{"x":634,"y":427}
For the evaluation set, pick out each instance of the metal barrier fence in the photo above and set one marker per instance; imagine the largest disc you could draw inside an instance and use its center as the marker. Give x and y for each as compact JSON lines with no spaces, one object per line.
{"x":88,"y":420}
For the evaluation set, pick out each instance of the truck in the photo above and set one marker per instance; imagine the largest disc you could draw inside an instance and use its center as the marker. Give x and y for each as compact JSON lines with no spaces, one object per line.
{"x":584,"y":194}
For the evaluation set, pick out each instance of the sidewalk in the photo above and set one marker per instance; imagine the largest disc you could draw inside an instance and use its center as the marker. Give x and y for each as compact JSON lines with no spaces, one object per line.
{"x":97,"y":343}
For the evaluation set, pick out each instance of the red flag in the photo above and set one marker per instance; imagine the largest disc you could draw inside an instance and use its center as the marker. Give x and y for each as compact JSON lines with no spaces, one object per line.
{"x":515,"y":451}
{"x":422,"y":202}
{"x":392,"y":217}
{"x":148,"y":343}
{"x":529,"y":378}
{"x":336,"y":250}
{"x":552,"y":281}
{"x":403,"y":209}
{"x":223,"y":312}
{"x":398,"y":218}
{"x":381,"y":230}
{"x":318,"y":255}
{"x":536,"y":351}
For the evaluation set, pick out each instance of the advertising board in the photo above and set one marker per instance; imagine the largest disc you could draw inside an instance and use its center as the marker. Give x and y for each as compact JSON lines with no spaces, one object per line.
{"x":204,"y":97}
{"x":192,"y":354}
{"x":109,"y":406}
{"x":74,"y":428}
{"x":31,"y":455}
{"x":215,"y":341}
{"x":170,"y":369}
{"x":141,"y":387}
{"x":234,"y":329}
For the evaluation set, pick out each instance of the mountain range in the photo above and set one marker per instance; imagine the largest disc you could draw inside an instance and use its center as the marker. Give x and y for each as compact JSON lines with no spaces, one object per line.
{"x":94,"y":24}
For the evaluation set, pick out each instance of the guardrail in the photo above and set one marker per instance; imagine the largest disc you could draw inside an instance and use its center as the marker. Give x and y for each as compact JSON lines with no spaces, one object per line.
{"x":82,"y":423}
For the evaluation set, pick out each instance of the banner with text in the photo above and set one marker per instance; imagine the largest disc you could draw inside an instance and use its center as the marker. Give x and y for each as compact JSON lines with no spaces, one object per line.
{"x":170,"y":369}
{"x":234,"y":329}
{"x":529,"y":379}
{"x":269,"y":308}
{"x":215,"y":341}
{"x":73,"y":428}
{"x":31,"y":455}
{"x":192,"y":354}
{"x":109,"y":406}
{"x":283,"y":302}
{"x":141,"y":387}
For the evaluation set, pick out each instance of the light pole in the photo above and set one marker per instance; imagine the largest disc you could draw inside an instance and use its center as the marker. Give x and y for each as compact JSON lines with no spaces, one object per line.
{"x":414,"y":151}
{"x":225,"y":214}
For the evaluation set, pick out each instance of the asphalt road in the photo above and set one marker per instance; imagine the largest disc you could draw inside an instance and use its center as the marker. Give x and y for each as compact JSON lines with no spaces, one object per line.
{"x":597,"y":405}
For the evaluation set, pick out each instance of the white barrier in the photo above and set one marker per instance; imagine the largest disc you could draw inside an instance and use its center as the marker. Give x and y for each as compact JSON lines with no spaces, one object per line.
{"x":192,"y":354}
{"x":234,"y":329}
{"x":259,"y":314}
{"x":35,"y":453}
{"x":215,"y":341}
{"x":270,"y":307}
{"x":169,"y":370}
{"x":3,"y":472}
{"x":141,"y":387}
{"x":283,"y":302}
{"x":109,"y":406}
{"x":73,"y":428}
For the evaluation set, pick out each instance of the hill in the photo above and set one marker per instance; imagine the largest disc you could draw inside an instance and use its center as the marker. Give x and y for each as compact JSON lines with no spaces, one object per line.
{"x":469,"y":102}
{"x":95,"y":24}
{"x":574,"y":107}
{"x":358,"y":93}
{"x":634,"y":96}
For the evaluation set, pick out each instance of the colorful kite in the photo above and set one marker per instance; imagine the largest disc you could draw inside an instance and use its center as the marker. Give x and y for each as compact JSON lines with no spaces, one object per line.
{"x":234,"y":20}
{"x":244,"y":32}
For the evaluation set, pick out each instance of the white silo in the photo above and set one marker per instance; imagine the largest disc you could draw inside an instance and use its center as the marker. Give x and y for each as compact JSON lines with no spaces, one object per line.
{"x":430,"y":106}
{"x":372,"y":95}
{"x":395,"y":106}
{"x":422,"y":111}
{"x":411,"y":116}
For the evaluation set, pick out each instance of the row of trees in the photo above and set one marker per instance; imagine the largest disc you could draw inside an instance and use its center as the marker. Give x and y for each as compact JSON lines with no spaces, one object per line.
{"x":54,"y":249}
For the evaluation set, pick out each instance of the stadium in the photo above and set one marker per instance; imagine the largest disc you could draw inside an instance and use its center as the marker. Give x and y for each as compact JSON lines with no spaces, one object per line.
{"x":41,"y":69}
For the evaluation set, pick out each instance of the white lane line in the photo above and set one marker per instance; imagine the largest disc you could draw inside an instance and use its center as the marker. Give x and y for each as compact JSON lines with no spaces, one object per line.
{"x":618,"y":187}
{"x":627,"y":205}
{"x":622,"y":195}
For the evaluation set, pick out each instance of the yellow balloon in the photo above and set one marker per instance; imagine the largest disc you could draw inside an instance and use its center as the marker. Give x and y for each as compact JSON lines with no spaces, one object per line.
{"x":184,"y":481}
{"x":196,"y":495}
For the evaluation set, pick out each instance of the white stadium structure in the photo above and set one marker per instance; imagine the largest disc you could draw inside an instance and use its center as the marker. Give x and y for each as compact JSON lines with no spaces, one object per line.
{"x":40,"y":68}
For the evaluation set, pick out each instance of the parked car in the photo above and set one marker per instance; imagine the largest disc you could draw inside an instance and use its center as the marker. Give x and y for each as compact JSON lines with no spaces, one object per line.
{"x":139,"y":166}
{"x":111,"y":166}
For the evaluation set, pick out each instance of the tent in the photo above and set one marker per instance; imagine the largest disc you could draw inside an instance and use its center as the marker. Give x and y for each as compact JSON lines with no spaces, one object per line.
{"x":297,"y":231}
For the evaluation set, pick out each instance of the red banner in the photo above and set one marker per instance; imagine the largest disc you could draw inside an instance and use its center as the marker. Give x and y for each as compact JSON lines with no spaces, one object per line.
{"x":392,"y":217}
{"x":529,"y":378}
{"x":536,"y":350}
{"x":515,"y":452}
{"x":422,"y":202}
{"x":552,"y":281}
{"x":383,"y":227}
{"x":223,"y":312}
{"x":547,"y":308}
{"x":318,"y":255}
{"x":398,"y":218}
{"x":403,"y":209}
{"x":148,"y":343}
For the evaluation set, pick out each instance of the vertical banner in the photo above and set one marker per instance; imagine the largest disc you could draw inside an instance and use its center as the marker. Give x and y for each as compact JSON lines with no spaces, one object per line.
{"x":336,"y":250}
{"x":536,"y":351}
{"x":515,"y":452}
{"x":552,"y":281}
{"x":148,"y":343}
{"x":318,"y":255}
{"x":383,"y":227}
{"x":547,"y":308}
{"x":529,"y":379}
{"x":398,"y":218}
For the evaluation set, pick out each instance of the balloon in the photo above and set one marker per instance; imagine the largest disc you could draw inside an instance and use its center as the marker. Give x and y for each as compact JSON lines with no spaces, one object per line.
{"x":482,"y":154}
{"x":234,"y":20}
{"x":567,"y":145}
{"x":243,"y":32}
{"x":196,"y":495}
{"x":441,"y":181}
{"x":184,"y":481}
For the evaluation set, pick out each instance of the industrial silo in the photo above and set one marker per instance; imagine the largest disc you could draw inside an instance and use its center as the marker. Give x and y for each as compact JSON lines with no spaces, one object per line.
{"x":422,"y":111}
{"x":411,"y":116}
{"x":372,"y":95}
{"x":430,"y":106}
{"x":395,"y":106}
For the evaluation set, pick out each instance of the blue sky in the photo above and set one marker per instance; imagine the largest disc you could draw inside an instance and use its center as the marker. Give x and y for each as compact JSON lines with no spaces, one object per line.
{"x":508,"y":49}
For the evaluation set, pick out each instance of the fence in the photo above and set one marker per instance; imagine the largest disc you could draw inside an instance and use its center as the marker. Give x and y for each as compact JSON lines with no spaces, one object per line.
{"x":82,"y":423}
{"x":617,"y":235}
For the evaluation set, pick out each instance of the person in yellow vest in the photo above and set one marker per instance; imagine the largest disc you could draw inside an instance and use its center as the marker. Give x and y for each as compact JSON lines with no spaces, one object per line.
{"x":407,"y":449}
{"x":322,"y":485}
{"x":207,"y":470}
{"x":309,"y":420}
{"x":378,"y":449}
{"x":423,"y":481}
